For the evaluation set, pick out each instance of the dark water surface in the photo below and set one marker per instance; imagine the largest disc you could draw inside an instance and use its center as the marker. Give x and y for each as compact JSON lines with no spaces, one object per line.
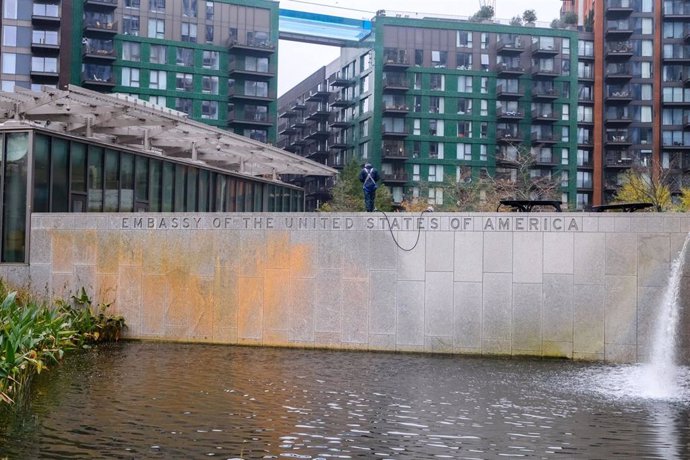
{"x":177,"y":401}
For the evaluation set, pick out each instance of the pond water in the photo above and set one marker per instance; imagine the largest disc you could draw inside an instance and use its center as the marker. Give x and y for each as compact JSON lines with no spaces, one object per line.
{"x":154,"y":400}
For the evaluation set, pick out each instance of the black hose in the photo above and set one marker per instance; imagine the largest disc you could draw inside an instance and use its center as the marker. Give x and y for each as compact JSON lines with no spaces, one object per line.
{"x":390,"y":229}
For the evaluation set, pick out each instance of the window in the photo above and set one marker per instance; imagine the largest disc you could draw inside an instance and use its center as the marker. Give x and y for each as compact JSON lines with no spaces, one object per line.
{"x":158,"y":79}
{"x":130,"y":24}
{"x":209,"y":33}
{"x":437,"y":82}
{"x":256,"y":64}
{"x":44,"y":64}
{"x":209,"y":109}
{"x":256,"y":88}
{"x":189,"y":8}
{"x":184,"y":82}
{"x":435,"y":173}
{"x":436,"y":195}
{"x":565,"y":112}
{"x":464,"y":106}
{"x":185,"y":57}
{"x":436,"y":104}
{"x":183,"y":104}
{"x":132,"y":4}
{"x":484,"y":85}
{"x":156,"y":28}
{"x":416,"y":173}
{"x":130,"y":77}
{"x":416,"y":127}
{"x":463,"y":61}
{"x":436,"y":127}
{"x":482,"y":152}
{"x":417,"y":81}
{"x":464,"y":84}
{"x":48,"y":37}
{"x":647,"y":26}
{"x":209,"y":11}
{"x":464,"y":152}
{"x":484,"y":108}
{"x":159,"y":100}
{"x":9,"y":63}
{"x":464,"y":39}
{"x":565,"y":154}
{"x":131,"y":51}
{"x":9,"y":9}
{"x":210,"y":60}
{"x":418,"y":58}
{"x":156,"y":6}
{"x":188,"y":32}
{"x":209,"y":84}
{"x":439,"y":58}
{"x":646,"y":114}
{"x":157,"y":54}
{"x":484,"y":40}
{"x":465,"y":129}
{"x":9,"y":35}
{"x":647,"y":47}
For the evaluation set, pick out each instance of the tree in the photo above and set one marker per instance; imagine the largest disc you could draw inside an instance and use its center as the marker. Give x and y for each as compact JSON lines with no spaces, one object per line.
{"x":516,"y":21}
{"x":485,"y":13}
{"x":684,"y":204}
{"x":529,"y":16}
{"x":347,"y":194}
{"x":645,"y":185}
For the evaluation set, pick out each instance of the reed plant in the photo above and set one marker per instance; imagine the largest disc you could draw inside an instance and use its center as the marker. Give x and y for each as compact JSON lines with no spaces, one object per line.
{"x":34,"y":335}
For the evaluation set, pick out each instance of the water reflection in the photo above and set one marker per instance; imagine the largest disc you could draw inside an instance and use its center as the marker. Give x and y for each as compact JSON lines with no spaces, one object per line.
{"x":147,"y":400}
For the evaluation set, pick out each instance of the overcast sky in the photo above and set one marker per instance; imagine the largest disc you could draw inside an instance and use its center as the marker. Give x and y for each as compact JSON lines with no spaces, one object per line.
{"x":299,"y":60}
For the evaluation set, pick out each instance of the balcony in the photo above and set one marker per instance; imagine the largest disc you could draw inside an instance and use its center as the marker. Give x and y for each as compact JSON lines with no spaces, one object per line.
{"x":620,"y":159}
{"x":512,"y":47}
{"x":252,"y":46}
{"x":340,"y":124}
{"x":237,"y":92}
{"x":504,"y":114}
{"x":539,"y":138}
{"x":618,"y":8}
{"x":43,"y":47}
{"x":388,"y":132}
{"x":96,"y":53}
{"x":545,"y":92}
{"x":399,"y":62}
{"x":677,"y":11}
{"x":545,"y":161}
{"x":506,"y":159}
{"x":615,"y":119}
{"x":686,"y":123}
{"x":284,"y":129}
{"x":546,"y":48}
{"x":97,"y":81}
{"x":505,"y":69}
{"x":251,"y":118}
{"x":393,"y":151}
{"x":508,"y":137}
{"x":341,"y":144}
{"x":318,"y":95}
{"x":618,"y":72}
{"x":319,"y":114}
{"x":585,"y":141}
{"x":236,"y":69}
{"x":618,"y":32}
{"x":395,"y":178}
{"x":545,"y":116}
{"x":319,"y":192}
{"x":619,"y":96}
{"x":508,"y":93}
{"x":395,"y":109}
{"x":105,"y":5}
{"x":95,"y":27}
{"x":317,"y":153}
{"x":317,"y":131}
{"x":675,"y":145}
{"x":342,"y":102}
{"x":395,"y":84}
{"x":544,"y":72}
{"x":619,"y":50}
{"x":45,"y":16}
{"x":342,"y":81}
{"x":620,"y":138}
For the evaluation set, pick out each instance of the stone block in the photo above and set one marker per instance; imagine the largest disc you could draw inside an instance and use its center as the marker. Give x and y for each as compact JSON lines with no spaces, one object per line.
{"x":356,"y":259}
{"x":252,"y":256}
{"x":498,"y":347}
{"x":438,"y":344}
{"x":62,"y":244}
{"x":589,"y":260}
{"x":355,"y":311}
{"x":108,"y":252}
{"x":382,"y":302}
{"x":527,"y":331}
{"x":225,"y":304}
{"x":497,"y":294}
{"x":590,"y":224}
{"x":40,"y":251}
{"x":410,"y":313}
{"x":467,"y":316}
{"x":250,"y":308}
{"x":382,"y":342}
{"x":438,"y":305}
{"x":621,"y":254}
{"x":498,"y":252}
{"x":588,"y":324}
{"x":329,"y":301}
{"x":303,"y":255}
{"x":85,"y":277}
{"x":557,"y":349}
{"x":156,"y":301}
{"x":330,"y":250}
{"x":382,"y":251}
{"x":616,"y":353}
{"x":653,"y":259}
{"x":606,"y":224}
{"x":650,"y":302}
{"x":527,"y":257}
{"x":639,"y":224}
{"x":411,"y":264}
{"x":40,"y":280}
{"x":558,"y":253}
{"x":439,"y":252}
{"x":557,"y":309}
{"x":621,"y":310}
{"x":276,"y":299}
{"x":300,"y":304}
{"x":622,"y":224}
{"x":469,"y":256}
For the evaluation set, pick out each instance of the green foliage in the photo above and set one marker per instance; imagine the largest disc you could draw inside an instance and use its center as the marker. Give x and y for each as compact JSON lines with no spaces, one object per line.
{"x":486,"y":12}
{"x":34,"y":335}
{"x":516,"y":21}
{"x":684,"y":204}
{"x":348,"y":196}
{"x":529,"y":16}
{"x":570,"y":18}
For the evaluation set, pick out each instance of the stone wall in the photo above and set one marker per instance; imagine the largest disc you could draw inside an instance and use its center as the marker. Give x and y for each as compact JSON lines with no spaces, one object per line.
{"x":582,"y":286}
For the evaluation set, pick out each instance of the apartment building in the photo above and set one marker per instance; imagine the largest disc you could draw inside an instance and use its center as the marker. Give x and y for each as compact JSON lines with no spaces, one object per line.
{"x":213,"y":60}
{"x":432,"y":101}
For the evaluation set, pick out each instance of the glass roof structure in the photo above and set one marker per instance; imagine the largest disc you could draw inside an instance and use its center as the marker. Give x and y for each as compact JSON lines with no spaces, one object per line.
{"x":322,"y":29}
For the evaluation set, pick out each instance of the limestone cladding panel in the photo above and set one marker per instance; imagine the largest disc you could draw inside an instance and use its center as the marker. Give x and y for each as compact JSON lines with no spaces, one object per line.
{"x":653,"y":264}
{"x":410,"y":263}
{"x":527,"y":319}
{"x":528,"y":257}
{"x":439,"y":252}
{"x":588,"y":320}
{"x":497,"y":313}
{"x":589,"y":258}
{"x":410,"y":315}
{"x":557,"y":314}
{"x":467,"y":317}
{"x":382,"y":301}
{"x":558,"y":253}
{"x":498,"y":252}
{"x":469,"y":257}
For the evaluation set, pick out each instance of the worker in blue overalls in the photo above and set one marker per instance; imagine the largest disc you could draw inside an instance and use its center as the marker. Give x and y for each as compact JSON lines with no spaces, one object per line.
{"x":368,"y":177}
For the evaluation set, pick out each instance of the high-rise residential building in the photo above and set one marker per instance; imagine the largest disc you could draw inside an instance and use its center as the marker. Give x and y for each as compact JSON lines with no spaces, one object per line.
{"x":432,"y":101}
{"x":214,"y":60}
